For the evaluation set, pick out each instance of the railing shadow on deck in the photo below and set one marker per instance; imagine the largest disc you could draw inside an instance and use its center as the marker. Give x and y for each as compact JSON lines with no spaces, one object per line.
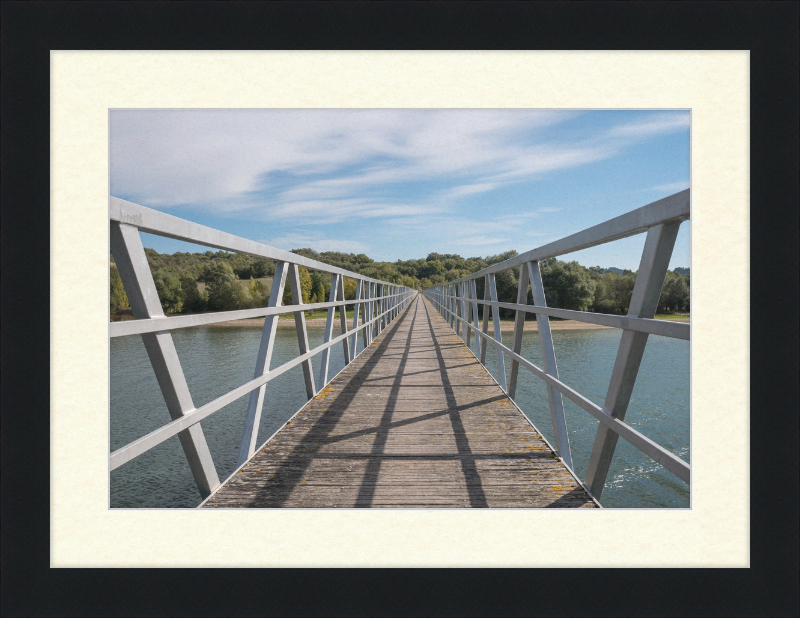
{"x":293,"y":468}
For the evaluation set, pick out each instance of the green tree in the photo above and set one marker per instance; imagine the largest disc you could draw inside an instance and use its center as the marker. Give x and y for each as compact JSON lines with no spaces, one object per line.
{"x":674,"y":294}
{"x":305,"y":287}
{"x":118,"y":297}
{"x":350,"y":288}
{"x":318,"y":287}
{"x":191,"y":299}
{"x":567,"y":285}
{"x":225,"y":292}
{"x":168,"y":286}
{"x":263,"y":268}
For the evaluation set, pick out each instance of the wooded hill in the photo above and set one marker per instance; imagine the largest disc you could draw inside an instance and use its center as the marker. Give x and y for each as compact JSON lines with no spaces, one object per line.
{"x":235,"y":281}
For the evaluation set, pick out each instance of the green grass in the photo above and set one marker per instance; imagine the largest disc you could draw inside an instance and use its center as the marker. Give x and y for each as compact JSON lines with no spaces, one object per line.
{"x":674,"y":318}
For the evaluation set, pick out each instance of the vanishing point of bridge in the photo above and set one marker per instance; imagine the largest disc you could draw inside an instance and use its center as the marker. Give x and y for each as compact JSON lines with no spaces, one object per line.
{"x":414,"y":420}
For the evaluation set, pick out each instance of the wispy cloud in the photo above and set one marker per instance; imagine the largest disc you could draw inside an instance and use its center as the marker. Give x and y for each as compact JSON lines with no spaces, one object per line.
{"x":318,"y":242}
{"x":663,"y":123}
{"x":328,"y":166}
{"x":673,"y":186}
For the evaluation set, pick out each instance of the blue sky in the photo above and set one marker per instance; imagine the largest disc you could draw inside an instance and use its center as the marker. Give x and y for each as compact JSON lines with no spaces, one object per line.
{"x":400,"y":184}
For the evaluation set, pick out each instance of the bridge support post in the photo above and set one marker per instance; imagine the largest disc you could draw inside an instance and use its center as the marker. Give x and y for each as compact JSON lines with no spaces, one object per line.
{"x":126,"y":246}
{"x":300,"y":326}
{"x":485,"y":325}
{"x":519,"y":327}
{"x":364,"y":318}
{"x":456,"y":304}
{"x":479,"y":343}
{"x":343,"y":321}
{"x":498,"y":336}
{"x":356,"y":308}
{"x":326,"y":353}
{"x":644,"y":302}
{"x":554,"y":397}
{"x":256,"y":401}
{"x":466,"y":310}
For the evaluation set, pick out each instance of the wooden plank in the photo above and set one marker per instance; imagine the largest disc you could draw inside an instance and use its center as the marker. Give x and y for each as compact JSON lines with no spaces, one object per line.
{"x":414,"y":422}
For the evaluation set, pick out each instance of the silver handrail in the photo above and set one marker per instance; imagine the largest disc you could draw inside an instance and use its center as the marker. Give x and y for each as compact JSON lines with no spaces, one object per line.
{"x":458,"y":303}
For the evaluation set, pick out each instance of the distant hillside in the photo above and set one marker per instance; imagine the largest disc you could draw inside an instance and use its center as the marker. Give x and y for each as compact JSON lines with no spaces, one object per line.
{"x":683,"y":271}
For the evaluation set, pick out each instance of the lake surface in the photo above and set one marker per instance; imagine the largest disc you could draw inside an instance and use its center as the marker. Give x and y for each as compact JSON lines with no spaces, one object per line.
{"x":217,"y":359}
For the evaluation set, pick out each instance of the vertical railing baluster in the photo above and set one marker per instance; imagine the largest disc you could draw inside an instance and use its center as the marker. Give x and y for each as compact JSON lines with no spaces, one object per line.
{"x":300,"y":326}
{"x":128,"y":252}
{"x":485,"y":327}
{"x":381,"y":301}
{"x":365,"y":315}
{"x":356,"y":309}
{"x":554,"y":397}
{"x":467,"y":311}
{"x":348,"y":356}
{"x":498,"y":337}
{"x":451,"y":295}
{"x":256,"y":401}
{"x":456,"y":302}
{"x":519,"y":327}
{"x":475,"y":316}
{"x":326,"y":353}
{"x":644,"y":302}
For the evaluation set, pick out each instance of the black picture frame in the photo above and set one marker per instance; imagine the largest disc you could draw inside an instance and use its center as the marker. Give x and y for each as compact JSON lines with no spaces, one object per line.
{"x":768,"y":29}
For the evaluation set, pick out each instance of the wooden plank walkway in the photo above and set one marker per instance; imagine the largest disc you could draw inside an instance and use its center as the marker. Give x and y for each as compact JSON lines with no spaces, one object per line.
{"x":414,"y":422}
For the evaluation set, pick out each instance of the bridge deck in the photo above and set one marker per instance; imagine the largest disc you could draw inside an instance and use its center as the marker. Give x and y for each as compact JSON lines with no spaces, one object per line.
{"x":414,"y":422}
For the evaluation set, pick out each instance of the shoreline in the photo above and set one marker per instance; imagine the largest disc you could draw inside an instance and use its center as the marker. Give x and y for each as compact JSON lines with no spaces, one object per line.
{"x":505,"y":327}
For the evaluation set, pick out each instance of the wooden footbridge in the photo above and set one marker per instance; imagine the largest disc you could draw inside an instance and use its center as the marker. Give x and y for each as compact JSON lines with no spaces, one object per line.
{"x":414,"y":420}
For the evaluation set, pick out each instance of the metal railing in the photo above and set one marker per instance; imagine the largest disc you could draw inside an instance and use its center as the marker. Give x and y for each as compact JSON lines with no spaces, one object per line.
{"x":378,"y":303}
{"x":457,"y":301}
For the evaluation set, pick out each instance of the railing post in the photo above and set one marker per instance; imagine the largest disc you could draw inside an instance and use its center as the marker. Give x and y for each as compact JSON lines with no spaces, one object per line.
{"x":644,"y":301}
{"x":485,"y":326}
{"x":456,"y":303}
{"x":554,"y":397}
{"x":451,"y":296}
{"x":126,"y":246}
{"x":365,"y":315}
{"x":467,"y":306}
{"x":256,"y":401}
{"x":498,"y":337}
{"x":356,"y":309}
{"x":326,"y":353}
{"x":479,"y":343}
{"x":300,"y":325}
{"x":379,"y":308}
{"x":519,"y":327}
{"x":343,"y":321}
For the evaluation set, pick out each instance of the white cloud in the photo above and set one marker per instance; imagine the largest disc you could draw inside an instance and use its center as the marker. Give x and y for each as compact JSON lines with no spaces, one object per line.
{"x":664,"y":123}
{"x":482,"y":240}
{"x":300,"y":240}
{"x":269,"y":163}
{"x":673,"y":186}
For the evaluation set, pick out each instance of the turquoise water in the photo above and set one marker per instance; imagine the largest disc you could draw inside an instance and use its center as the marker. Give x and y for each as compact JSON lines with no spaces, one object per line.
{"x":217,"y":359}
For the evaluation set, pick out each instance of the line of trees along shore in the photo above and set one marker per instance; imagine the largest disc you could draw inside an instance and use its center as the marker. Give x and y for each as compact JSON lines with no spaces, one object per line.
{"x":234,"y":281}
